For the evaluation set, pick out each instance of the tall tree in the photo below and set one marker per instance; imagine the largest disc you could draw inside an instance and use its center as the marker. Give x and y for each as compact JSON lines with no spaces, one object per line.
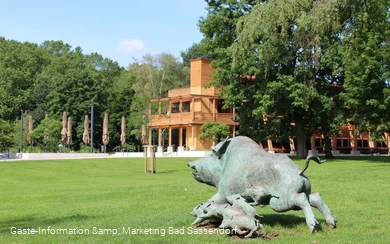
{"x":367,"y":67}
{"x":75,"y":80}
{"x":20,"y":64}
{"x":197,"y":50}
{"x":54,"y":77}
{"x":119,"y":103}
{"x":47,"y":135}
{"x":280,"y":64}
{"x":155,"y":75}
{"x":6,"y":133}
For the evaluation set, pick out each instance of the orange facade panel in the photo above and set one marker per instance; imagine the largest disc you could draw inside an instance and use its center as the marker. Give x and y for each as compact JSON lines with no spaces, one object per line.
{"x":206,"y":72}
{"x":179,"y":92}
{"x":196,"y":70}
{"x":193,"y":138}
{"x":201,"y":72}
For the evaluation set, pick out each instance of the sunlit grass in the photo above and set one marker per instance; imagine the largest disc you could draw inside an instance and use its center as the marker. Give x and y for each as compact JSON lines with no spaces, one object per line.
{"x":109,"y":194}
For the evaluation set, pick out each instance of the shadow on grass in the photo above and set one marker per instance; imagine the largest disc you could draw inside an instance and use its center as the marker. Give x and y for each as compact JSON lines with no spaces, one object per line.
{"x":373,"y":159}
{"x":169,"y":171}
{"x":35,"y":222}
{"x":370,"y":159}
{"x":285,"y":220}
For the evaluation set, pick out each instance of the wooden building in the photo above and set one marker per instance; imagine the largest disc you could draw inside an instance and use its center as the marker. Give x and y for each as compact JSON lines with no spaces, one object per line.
{"x":185,"y":110}
{"x":347,"y":142}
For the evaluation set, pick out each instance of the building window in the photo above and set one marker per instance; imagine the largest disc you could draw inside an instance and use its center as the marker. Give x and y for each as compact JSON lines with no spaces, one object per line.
{"x":186,"y":107}
{"x":223,"y":110}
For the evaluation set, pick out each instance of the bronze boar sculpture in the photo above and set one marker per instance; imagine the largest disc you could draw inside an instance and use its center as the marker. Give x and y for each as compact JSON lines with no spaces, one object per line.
{"x":240,"y":168}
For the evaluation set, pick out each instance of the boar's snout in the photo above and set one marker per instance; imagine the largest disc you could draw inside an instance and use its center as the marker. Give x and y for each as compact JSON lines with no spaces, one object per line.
{"x":195,"y":173}
{"x":191,"y":164}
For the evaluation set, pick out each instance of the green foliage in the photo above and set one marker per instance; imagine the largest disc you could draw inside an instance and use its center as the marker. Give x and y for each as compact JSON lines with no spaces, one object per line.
{"x":289,"y":60}
{"x":84,"y":148}
{"x":47,"y":136}
{"x":157,"y":74}
{"x":54,"y":77}
{"x":20,"y":65}
{"x":6,"y":132}
{"x":366,"y":64}
{"x":154,"y":75}
{"x":15,"y":136}
{"x":214,"y":131}
{"x":197,"y":50}
{"x":76,"y":80}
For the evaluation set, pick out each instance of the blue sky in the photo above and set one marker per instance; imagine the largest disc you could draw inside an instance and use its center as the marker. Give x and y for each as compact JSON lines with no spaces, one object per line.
{"x":117,"y":29}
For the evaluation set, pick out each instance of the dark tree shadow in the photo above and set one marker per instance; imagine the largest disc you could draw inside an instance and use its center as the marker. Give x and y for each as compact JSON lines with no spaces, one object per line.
{"x":285,"y":220}
{"x":371,"y":159}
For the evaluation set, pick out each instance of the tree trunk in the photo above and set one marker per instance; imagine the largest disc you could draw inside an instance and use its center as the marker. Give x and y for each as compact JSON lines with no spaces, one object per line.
{"x":328,"y":151}
{"x":301,"y":139}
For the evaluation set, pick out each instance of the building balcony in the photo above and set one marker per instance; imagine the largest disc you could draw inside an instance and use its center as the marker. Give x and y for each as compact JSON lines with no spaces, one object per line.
{"x":188,"y":118}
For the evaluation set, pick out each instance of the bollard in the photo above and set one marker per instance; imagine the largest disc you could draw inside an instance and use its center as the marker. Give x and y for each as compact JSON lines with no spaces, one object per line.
{"x":152,"y":161}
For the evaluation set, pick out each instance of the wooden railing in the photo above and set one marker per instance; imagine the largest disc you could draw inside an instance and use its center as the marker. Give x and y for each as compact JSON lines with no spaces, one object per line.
{"x":189,"y":118}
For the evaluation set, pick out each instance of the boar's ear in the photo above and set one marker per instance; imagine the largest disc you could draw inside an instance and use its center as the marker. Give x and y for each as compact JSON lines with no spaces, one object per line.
{"x":222,"y":149}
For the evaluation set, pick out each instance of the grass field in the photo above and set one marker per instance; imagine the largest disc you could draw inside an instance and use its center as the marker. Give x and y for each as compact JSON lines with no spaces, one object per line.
{"x":109,"y":197}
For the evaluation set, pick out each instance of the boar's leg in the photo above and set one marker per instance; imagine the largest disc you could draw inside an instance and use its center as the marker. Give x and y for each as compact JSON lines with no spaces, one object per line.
{"x":295,"y":202}
{"x":250,"y":234}
{"x":236,"y":229}
{"x":317,"y":202}
{"x":302,"y":202}
{"x":217,"y":198}
{"x":262,"y":229}
{"x":198,"y":220}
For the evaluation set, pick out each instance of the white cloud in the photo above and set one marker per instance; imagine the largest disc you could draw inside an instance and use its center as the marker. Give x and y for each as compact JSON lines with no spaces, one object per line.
{"x":132,"y":46}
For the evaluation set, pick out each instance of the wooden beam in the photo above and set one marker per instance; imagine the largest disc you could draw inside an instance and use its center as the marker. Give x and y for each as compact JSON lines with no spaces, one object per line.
{"x":181,"y":136}
{"x":170,"y":136}
{"x":150,"y":136}
{"x":214,"y":111}
{"x":159,"y":137}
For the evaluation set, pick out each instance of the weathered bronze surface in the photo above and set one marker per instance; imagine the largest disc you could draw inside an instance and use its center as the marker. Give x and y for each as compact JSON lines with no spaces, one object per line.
{"x":246,"y":175}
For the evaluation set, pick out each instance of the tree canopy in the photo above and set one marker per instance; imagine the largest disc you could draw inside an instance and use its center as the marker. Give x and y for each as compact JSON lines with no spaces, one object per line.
{"x":154,"y":75}
{"x":53,"y":77}
{"x":291,"y":67}
{"x":214,"y":131}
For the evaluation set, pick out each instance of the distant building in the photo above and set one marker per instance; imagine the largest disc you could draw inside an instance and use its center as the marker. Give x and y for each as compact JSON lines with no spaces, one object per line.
{"x":185,"y":110}
{"x":349,"y":143}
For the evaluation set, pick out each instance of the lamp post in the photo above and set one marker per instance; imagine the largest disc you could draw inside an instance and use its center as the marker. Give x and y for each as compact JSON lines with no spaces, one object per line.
{"x":21,"y":131}
{"x":234,"y":119}
{"x":91,"y":141}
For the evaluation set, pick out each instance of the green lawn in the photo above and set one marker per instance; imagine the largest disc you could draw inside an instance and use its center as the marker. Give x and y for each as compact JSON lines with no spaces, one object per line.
{"x":109,"y":197}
